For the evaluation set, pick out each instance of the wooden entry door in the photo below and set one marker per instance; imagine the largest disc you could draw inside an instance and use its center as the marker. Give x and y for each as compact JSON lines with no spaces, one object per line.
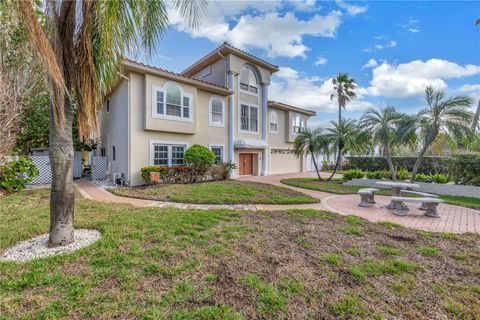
{"x":246,"y":164}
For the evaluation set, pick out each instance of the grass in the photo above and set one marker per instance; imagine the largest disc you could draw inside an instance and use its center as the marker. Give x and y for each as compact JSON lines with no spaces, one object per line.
{"x":428,"y":251}
{"x":163,"y":263}
{"x":218,"y":192}
{"x":337,"y":187}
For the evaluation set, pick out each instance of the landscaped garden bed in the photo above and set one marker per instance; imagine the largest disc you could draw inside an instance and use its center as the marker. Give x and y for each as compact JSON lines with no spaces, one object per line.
{"x":217,"y":192}
{"x":337,"y":187}
{"x":220,"y":264}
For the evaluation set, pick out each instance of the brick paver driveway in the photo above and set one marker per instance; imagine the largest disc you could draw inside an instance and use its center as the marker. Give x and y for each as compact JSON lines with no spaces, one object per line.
{"x":452,"y":218}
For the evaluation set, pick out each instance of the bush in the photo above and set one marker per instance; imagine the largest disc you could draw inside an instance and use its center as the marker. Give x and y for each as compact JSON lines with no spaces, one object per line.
{"x":375,"y":174}
{"x":227,"y":169}
{"x":465,"y":169}
{"x":199,"y":156}
{"x":184,"y":174}
{"x":440,"y":178}
{"x":402,"y":174}
{"x":353,"y":174}
{"x":423,"y":177}
{"x":429,"y":165}
{"x":16,"y":174}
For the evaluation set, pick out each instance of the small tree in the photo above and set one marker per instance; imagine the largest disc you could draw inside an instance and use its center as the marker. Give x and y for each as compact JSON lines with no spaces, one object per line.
{"x":200,"y":158}
{"x":313,"y":142}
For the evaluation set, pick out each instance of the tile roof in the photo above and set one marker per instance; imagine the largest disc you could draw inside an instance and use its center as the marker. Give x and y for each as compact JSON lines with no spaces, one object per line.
{"x":173,"y":73}
{"x":287,"y":106}
{"x":228,"y":45}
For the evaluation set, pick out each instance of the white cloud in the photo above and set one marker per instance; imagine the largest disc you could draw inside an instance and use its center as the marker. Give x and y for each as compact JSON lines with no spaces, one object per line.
{"x":290,"y":87}
{"x":469,"y":87}
{"x":413,"y":30}
{"x":412,"y":25}
{"x":263,"y":27}
{"x":389,"y":44}
{"x":351,"y":9}
{"x":410,"y":79}
{"x":378,"y":47}
{"x":392,"y":44}
{"x":320,"y":61}
{"x":370,"y":64}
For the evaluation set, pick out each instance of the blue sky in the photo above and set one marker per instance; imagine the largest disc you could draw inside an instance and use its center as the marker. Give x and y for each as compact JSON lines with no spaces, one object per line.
{"x":392,"y":49}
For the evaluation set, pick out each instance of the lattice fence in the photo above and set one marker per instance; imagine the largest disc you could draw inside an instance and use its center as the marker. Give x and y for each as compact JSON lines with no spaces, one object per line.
{"x":99,"y":168}
{"x":43,"y":165}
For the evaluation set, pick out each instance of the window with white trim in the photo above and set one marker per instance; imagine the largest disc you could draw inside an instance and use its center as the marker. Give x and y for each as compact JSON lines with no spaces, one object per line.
{"x":172,"y":103}
{"x":298,"y":123}
{"x":218,"y":150}
{"x":273,"y":124}
{"x":216,"y":112}
{"x":248,"y":80}
{"x":249,"y":118}
{"x":168,"y":155}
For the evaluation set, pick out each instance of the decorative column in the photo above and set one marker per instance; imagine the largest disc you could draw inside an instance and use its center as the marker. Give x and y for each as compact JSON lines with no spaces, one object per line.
{"x":231,"y":124}
{"x":265,"y":152}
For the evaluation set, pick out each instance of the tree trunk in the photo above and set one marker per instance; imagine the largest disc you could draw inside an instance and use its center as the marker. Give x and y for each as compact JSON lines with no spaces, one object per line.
{"x":336,"y":164}
{"x":316,"y":167}
{"x":339,"y":158}
{"x":476,"y":117}
{"x":390,"y":162}
{"x":62,"y":198}
{"x":418,"y":162}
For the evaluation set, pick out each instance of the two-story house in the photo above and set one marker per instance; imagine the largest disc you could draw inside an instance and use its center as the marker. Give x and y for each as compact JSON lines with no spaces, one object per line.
{"x":154,"y":115}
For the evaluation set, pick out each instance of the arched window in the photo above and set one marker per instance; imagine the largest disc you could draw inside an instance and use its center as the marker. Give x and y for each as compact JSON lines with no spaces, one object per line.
{"x":216,"y":112}
{"x":248,"y":80}
{"x":273,"y":121}
{"x":171,"y":102}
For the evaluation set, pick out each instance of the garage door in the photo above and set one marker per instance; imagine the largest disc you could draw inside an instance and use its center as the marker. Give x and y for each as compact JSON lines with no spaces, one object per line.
{"x":283,"y":161}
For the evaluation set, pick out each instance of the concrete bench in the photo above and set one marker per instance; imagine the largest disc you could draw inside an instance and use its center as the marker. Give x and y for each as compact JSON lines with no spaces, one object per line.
{"x":367,"y":197}
{"x":423,"y":194}
{"x":430,"y":203}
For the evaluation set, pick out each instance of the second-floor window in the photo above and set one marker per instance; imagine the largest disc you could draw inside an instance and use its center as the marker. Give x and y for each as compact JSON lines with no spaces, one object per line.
{"x":216,"y":110}
{"x":248,"y":80}
{"x":249,"y":118}
{"x":298,"y":124}
{"x":273,"y":121}
{"x":172,"y":103}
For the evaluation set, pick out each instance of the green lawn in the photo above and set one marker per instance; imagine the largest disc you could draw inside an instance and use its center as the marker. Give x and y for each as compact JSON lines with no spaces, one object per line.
{"x":154,"y":263}
{"x":337,"y":187}
{"x":219,"y":192}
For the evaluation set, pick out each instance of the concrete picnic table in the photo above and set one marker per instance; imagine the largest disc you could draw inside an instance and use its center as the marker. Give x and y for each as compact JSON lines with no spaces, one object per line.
{"x":396,"y":189}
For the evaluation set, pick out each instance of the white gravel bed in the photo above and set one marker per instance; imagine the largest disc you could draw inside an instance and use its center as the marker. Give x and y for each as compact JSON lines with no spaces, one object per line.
{"x":37,"y":247}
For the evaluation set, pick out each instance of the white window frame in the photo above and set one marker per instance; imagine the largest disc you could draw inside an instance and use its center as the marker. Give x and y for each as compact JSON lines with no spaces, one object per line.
{"x":218,"y":145}
{"x":169,"y":144}
{"x":210,"y":121}
{"x":250,"y":106}
{"x":183,"y":94}
{"x":270,"y":122}
{"x":206,"y":71}
{"x":302,"y":119}
{"x":248,"y":91}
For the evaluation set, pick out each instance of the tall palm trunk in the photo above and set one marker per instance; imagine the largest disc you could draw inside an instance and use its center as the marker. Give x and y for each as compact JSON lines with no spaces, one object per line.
{"x":339,"y":158}
{"x":390,"y":162}
{"x":62,"y":199}
{"x":476,"y":117}
{"x":418,"y":162}
{"x":316,"y":167}
{"x":336,"y":164}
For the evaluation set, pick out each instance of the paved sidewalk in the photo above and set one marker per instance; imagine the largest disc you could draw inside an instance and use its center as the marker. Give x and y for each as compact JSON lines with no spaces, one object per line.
{"x":452,"y":218}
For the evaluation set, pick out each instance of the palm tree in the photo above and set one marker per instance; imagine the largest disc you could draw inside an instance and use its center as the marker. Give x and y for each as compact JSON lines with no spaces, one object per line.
{"x":449,"y":116}
{"x":81,"y":49}
{"x":343,"y":137}
{"x":313,"y":142}
{"x":344,"y":91}
{"x":382,"y":125}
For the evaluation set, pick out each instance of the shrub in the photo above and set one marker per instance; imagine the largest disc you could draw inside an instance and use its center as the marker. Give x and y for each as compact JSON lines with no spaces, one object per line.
{"x":227,"y":169}
{"x":353,"y":174}
{"x":16,"y":174}
{"x":429,"y":165}
{"x":183,"y":174}
{"x":465,"y":169}
{"x":440,"y":178}
{"x":375,"y":174}
{"x":402,"y":174}
{"x":423,"y":177}
{"x":199,"y":156}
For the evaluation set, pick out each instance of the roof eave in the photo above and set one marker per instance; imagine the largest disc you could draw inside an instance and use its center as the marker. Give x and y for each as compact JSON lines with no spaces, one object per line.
{"x":283,"y":106}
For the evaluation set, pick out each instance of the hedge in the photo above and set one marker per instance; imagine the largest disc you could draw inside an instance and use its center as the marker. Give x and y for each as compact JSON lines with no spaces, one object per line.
{"x":464,"y":168}
{"x":430,"y":165}
{"x":184,"y":174}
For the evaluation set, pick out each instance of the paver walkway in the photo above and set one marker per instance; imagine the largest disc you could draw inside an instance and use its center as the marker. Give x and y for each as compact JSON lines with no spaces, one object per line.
{"x":452,"y":218}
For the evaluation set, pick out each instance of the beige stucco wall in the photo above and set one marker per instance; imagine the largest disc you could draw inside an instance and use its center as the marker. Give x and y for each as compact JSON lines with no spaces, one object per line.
{"x":279,"y":140}
{"x":141,"y":111}
{"x":218,"y":73}
{"x":237,"y":63}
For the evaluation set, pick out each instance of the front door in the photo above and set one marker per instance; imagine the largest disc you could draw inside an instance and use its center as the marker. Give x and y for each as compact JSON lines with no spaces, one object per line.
{"x":246,"y":164}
